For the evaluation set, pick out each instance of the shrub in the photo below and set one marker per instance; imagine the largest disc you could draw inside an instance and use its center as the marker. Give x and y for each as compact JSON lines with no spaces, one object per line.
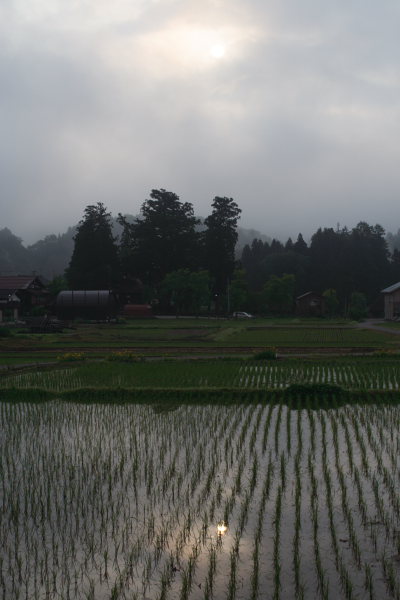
{"x":124,"y":357}
{"x":5,"y":332}
{"x":314,"y":389}
{"x":71,"y":357}
{"x":358,"y":306}
{"x":267,"y":354}
{"x":385,"y":354}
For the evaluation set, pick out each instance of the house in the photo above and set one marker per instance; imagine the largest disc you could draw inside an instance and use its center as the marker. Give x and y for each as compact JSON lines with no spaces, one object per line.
{"x":310,"y":304}
{"x":19,"y":294}
{"x":391,"y":297}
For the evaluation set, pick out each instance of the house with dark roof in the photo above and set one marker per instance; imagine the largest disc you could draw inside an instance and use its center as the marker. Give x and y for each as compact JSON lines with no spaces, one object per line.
{"x":19,"y":294}
{"x":391,"y":297}
{"x":310,"y":304}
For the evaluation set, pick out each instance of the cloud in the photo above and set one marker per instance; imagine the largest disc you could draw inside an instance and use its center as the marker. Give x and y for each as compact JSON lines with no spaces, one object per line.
{"x":298,"y":120}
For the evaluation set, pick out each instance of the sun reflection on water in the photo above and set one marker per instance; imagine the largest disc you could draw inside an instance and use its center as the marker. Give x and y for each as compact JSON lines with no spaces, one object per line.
{"x":222,"y":528}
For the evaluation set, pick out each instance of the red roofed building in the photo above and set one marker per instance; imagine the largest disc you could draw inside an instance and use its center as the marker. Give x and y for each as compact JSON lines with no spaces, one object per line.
{"x":20,"y":293}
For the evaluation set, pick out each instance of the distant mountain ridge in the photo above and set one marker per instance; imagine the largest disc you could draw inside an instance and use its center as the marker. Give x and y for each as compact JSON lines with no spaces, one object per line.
{"x":50,"y":255}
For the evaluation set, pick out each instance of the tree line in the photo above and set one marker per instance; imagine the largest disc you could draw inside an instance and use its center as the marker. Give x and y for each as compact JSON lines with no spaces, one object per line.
{"x":345,"y":266}
{"x":187,"y":265}
{"x":177,"y":262}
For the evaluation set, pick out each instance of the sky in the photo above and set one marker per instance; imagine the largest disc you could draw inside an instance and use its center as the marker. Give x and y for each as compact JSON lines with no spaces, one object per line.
{"x":289,"y":107}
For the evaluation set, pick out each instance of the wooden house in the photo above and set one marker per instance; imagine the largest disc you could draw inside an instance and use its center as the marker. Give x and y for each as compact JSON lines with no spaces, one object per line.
{"x":310,"y":304}
{"x":19,"y":294}
{"x":391,"y":297}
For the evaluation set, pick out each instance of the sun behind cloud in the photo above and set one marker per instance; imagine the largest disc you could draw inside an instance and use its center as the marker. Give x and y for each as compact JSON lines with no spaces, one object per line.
{"x":218,"y":50}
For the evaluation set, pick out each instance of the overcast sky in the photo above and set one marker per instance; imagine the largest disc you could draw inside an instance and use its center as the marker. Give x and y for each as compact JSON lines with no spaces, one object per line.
{"x":291,"y":107}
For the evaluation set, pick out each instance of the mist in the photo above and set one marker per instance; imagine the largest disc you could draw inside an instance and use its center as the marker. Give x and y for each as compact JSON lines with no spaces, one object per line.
{"x":296,"y":116}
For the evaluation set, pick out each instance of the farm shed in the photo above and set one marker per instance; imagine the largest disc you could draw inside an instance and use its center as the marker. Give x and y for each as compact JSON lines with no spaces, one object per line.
{"x":391,"y":297}
{"x":310,"y":304}
{"x":20,"y":293}
{"x":87,"y":304}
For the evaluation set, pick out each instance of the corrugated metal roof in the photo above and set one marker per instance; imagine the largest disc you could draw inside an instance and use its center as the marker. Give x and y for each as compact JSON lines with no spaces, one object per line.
{"x":8,"y":296}
{"x":81,"y":298}
{"x":308,"y":294}
{"x":16,"y":282}
{"x":391,"y":288}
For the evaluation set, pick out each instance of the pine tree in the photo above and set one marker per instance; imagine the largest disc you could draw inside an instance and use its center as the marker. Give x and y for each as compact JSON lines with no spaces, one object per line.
{"x":162,"y":240}
{"x":94,"y":261}
{"x":220,"y":239}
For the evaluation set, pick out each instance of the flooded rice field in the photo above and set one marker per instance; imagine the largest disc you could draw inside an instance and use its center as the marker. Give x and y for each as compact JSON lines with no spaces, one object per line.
{"x":352,"y":374}
{"x":226,"y":502}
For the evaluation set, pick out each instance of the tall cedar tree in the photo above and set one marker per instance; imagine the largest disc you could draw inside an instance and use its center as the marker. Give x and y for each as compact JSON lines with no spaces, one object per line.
{"x":94,"y":261}
{"x":220,"y":239}
{"x":162,"y":240}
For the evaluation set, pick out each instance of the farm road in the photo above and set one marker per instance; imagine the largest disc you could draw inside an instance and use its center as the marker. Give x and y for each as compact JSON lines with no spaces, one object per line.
{"x":376,"y":326}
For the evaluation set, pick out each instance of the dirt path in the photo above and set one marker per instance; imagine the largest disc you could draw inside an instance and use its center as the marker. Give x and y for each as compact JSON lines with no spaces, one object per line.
{"x":377,"y":325}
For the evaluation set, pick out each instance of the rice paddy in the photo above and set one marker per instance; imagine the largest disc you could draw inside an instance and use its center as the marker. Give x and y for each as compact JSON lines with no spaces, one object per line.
{"x":246,"y":501}
{"x":352,"y":374}
{"x":215,"y":479}
{"x":320,"y":337}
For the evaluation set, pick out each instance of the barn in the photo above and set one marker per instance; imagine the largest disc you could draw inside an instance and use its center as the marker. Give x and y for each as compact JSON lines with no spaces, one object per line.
{"x":19,"y":294}
{"x":98,"y":305}
{"x":310,"y":304}
{"x":391,"y":297}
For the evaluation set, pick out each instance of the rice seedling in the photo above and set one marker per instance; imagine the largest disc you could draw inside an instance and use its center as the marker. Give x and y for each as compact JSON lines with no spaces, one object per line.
{"x":121,"y":500}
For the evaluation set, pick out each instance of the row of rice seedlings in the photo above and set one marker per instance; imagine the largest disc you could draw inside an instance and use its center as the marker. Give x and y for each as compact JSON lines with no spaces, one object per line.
{"x":355,"y":375}
{"x":345,"y":575}
{"x":384,"y":517}
{"x":350,"y":375}
{"x":258,"y":532}
{"x":323,"y":584}
{"x":299,"y":586}
{"x":130,"y":510}
{"x":387,"y":477}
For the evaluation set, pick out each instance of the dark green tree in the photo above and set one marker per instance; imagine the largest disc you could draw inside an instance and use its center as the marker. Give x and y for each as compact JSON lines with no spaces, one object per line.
{"x":300,"y":246}
{"x":279,"y":294}
{"x":331,"y":302}
{"x":57,"y":284}
{"x":163,"y":239}
{"x":238,"y":291}
{"x":94,"y":263}
{"x":14,"y":257}
{"x":358,"y":309}
{"x":368,"y":259}
{"x":186,"y":291}
{"x":220,"y":237}
{"x":330,"y":266}
{"x":253,"y":257}
{"x":51,"y":255}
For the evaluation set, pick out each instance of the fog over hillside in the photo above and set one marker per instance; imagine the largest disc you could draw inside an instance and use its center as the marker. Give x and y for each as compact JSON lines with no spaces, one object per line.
{"x":50,"y":255}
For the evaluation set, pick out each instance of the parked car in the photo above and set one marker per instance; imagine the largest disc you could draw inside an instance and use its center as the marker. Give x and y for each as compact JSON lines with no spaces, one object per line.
{"x":242,"y":315}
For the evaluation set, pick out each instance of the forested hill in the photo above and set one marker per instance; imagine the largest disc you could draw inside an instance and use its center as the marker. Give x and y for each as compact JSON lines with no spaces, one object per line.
{"x":51,"y":255}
